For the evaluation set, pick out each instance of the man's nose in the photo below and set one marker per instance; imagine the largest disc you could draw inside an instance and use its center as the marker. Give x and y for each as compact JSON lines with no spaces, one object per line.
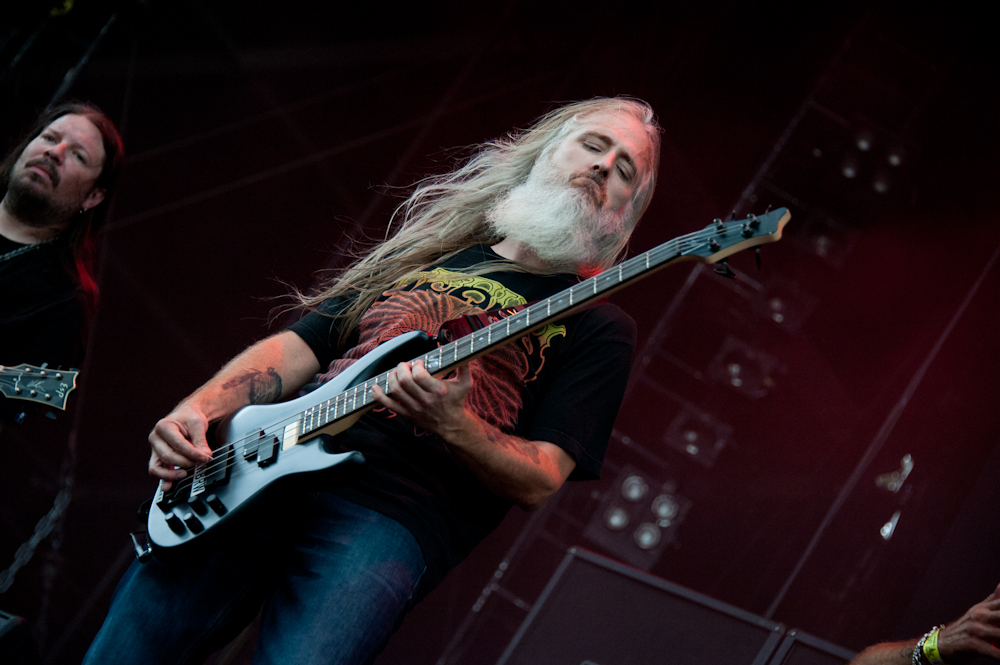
{"x":602,"y":165}
{"x":56,"y":152}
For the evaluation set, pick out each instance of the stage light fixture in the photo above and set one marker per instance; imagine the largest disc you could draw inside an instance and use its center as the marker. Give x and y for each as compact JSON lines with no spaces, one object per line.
{"x":665,"y":508}
{"x":894,"y":481}
{"x":864,"y":140}
{"x":697,"y":435}
{"x":784,"y":303}
{"x":637,"y":531}
{"x":776,"y":306}
{"x":746,"y":369}
{"x":827,"y":237}
{"x":849,"y":168}
{"x":634,"y":488}
{"x":889,"y":527}
{"x":881,"y":182}
{"x":647,"y":536}
{"x":616,"y":518}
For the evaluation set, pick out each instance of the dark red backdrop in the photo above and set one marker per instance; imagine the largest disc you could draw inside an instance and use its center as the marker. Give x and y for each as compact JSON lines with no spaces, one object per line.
{"x":260,"y":141}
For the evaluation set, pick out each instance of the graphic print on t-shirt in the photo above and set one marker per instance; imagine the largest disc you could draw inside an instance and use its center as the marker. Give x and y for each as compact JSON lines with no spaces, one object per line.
{"x":424,"y":301}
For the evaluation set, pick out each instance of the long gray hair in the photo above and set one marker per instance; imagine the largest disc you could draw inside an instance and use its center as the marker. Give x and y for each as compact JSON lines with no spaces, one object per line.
{"x":447,"y":213}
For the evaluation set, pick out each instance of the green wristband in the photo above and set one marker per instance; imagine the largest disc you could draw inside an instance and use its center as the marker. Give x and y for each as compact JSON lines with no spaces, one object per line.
{"x":931,"y":648}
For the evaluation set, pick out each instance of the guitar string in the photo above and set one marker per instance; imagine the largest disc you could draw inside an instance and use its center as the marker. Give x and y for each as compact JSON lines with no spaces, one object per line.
{"x":671,"y":249}
{"x":562,"y":300}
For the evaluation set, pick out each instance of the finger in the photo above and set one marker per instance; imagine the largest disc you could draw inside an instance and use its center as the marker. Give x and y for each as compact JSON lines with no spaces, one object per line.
{"x":426,"y":381}
{"x":162,"y":468}
{"x":995,"y":595}
{"x":194,"y":430}
{"x":387,"y":401}
{"x":167,"y":455}
{"x":196,"y":434}
{"x":165,"y":473}
{"x":463,"y":374}
{"x":172,"y":435}
{"x":174,"y":455}
{"x":405,"y":390}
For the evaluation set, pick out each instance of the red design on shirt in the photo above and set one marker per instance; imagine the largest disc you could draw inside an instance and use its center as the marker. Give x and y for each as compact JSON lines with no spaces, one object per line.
{"x":497,"y":377}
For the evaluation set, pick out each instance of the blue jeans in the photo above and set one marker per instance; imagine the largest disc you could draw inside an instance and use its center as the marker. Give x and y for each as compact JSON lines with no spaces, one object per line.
{"x":334,"y":584}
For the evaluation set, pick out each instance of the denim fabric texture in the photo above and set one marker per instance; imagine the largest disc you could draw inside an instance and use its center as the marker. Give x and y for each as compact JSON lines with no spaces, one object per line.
{"x":332,"y":583}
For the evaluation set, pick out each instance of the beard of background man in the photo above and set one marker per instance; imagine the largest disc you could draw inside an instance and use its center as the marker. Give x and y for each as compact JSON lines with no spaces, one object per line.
{"x":29,"y":204}
{"x":559,"y":223}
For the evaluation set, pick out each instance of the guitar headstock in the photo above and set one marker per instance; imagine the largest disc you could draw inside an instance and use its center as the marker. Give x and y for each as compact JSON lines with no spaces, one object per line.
{"x":38,"y":384}
{"x":720,"y":239}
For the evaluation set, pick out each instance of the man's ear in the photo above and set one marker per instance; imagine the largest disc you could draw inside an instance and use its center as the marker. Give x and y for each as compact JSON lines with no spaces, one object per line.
{"x":93,"y":199}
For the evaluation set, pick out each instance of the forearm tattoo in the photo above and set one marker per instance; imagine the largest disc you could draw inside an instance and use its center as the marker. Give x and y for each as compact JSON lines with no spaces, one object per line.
{"x":524,"y":448}
{"x":264,"y":387}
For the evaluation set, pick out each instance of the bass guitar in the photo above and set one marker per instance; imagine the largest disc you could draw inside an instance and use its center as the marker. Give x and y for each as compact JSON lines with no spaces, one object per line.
{"x":261,"y":444}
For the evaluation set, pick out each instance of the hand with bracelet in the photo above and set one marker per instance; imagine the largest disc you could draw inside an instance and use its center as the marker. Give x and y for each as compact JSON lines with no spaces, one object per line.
{"x":975,"y":633}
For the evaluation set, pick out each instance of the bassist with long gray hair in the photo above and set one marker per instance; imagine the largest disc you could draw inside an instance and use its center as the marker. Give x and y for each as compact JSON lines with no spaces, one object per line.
{"x":335,"y":558}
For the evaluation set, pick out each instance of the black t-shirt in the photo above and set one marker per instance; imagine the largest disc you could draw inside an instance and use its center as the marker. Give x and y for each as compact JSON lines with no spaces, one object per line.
{"x":42,"y":310}
{"x":562,"y":384}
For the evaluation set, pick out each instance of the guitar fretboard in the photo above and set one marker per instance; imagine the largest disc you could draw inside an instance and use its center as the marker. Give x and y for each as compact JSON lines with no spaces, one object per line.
{"x":448,"y":356}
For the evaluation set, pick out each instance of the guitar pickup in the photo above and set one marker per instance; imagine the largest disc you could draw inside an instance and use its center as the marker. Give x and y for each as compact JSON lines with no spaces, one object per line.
{"x":250,"y":449}
{"x":267,"y":451}
{"x":212,"y":473}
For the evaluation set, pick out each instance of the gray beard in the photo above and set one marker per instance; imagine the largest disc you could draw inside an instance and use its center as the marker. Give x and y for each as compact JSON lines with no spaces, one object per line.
{"x":33,"y":208}
{"x":556,"y":221}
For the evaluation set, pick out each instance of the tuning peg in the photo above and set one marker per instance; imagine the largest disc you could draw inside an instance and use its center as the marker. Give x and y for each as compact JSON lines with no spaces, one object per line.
{"x":756,"y":251}
{"x":724,"y":270}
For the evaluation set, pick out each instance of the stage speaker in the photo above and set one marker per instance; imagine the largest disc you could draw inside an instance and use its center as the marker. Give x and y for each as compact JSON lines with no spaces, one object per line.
{"x":803,"y":649}
{"x":16,"y":645}
{"x":595,"y":611}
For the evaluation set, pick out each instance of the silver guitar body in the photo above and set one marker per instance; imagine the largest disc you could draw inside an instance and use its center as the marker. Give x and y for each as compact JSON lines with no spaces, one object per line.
{"x":257,"y":446}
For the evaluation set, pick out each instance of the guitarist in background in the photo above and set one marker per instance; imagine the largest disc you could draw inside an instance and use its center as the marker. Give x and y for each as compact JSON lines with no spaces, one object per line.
{"x":56,"y":185}
{"x":336,"y":567}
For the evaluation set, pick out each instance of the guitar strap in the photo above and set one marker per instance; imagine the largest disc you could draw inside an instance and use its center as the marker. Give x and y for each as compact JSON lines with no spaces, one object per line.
{"x":470,"y":323}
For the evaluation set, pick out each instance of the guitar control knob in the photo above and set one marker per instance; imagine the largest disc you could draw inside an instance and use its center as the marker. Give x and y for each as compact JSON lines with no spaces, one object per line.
{"x":175,"y":523}
{"x":198,"y":505}
{"x":215,"y":503}
{"x":193,"y":523}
